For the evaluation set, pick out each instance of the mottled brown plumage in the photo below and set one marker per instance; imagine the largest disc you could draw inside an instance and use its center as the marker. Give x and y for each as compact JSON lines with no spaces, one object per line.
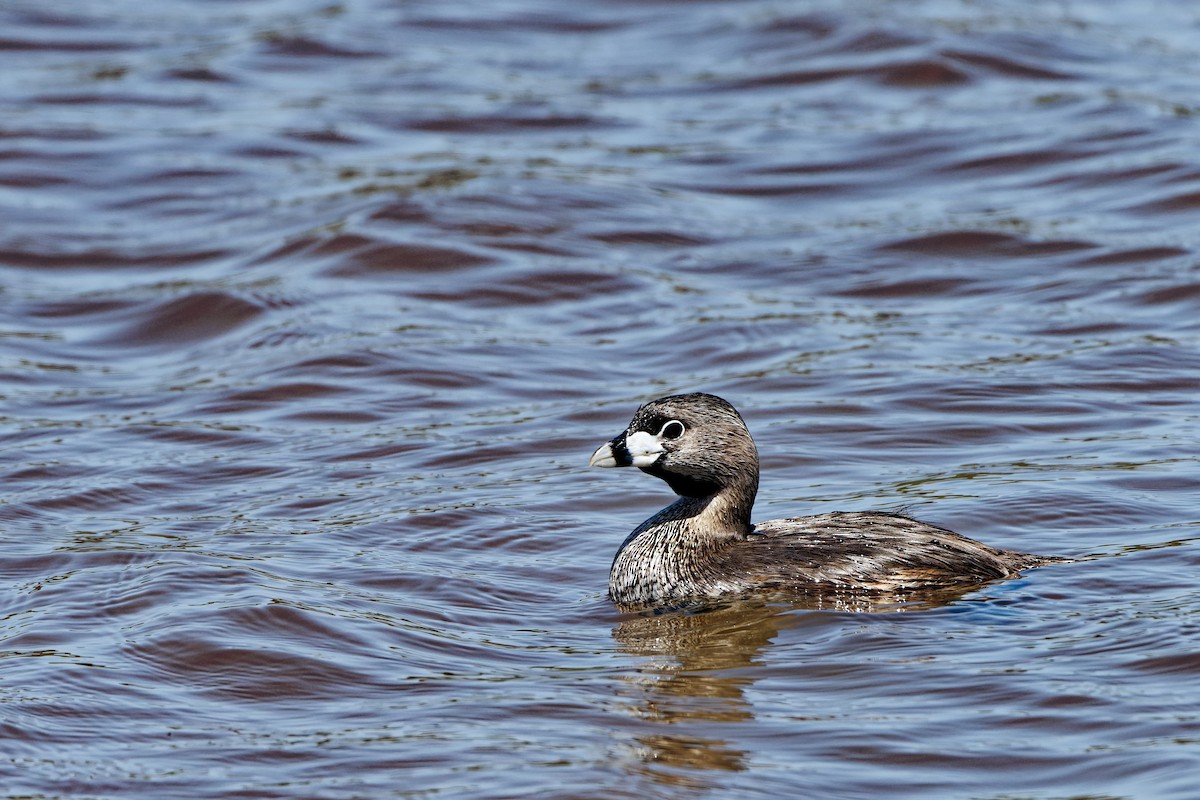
{"x":703,"y":546}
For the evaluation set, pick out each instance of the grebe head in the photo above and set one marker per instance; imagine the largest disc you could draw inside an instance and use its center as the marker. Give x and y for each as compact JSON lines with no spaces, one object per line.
{"x":697,"y":443}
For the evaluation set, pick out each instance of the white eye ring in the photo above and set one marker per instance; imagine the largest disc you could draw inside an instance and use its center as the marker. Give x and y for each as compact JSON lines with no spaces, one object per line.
{"x":672,"y":430}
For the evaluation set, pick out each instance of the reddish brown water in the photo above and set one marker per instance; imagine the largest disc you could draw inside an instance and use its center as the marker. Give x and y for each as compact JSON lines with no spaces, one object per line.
{"x":312,"y":314}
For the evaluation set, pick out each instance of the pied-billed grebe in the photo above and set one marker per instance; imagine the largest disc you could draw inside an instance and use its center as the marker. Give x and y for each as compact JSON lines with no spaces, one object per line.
{"x":703,"y":545}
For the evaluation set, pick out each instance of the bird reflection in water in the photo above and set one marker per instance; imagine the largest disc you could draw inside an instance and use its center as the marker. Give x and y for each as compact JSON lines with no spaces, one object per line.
{"x":699,"y":663}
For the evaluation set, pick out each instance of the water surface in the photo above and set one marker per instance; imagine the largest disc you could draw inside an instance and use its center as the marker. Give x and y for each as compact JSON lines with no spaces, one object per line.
{"x":311,"y":314}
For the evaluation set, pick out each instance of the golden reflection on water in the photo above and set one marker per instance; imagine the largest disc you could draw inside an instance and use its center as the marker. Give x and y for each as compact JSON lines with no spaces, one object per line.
{"x":699,"y":664}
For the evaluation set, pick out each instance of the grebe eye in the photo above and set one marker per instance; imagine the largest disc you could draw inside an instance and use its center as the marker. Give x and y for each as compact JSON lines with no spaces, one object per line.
{"x":672,"y":430}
